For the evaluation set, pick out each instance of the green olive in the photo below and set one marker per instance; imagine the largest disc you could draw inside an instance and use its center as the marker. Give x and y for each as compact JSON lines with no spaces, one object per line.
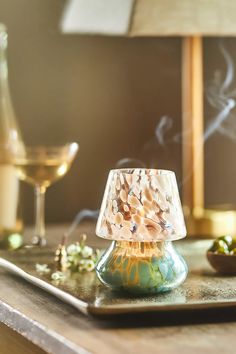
{"x":233,"y":244}
{"x":223,"y":250}
{"x":219,"y":245}
{"x":227,"y":239}
{"x":214,"y":246}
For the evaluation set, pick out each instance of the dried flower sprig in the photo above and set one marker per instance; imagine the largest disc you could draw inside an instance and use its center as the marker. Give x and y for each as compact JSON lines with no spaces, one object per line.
{"x":42,"y":268}
{"x":58,"y":276}
{"x":76,"y":257}
{"x":81,"y":257}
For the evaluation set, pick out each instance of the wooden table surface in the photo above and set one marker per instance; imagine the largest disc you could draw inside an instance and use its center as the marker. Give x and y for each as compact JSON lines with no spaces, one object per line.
{"x":59,"y":329}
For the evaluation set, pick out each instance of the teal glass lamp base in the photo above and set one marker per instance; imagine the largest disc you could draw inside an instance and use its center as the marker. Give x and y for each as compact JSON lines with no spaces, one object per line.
{"x":141,"y":267}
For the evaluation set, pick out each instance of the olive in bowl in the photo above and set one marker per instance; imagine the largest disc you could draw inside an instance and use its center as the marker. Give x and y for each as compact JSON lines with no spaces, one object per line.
{"x":222,"y":255}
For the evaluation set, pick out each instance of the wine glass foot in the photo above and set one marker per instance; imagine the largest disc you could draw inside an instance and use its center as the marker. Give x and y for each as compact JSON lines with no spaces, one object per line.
{"x":39,"y":241}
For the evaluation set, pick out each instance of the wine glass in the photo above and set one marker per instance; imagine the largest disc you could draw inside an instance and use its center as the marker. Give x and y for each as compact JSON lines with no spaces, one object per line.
{"x":41,"y":166}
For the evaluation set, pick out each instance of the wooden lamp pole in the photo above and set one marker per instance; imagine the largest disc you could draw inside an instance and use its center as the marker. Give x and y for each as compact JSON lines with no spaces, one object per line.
{"x":193,"y":125}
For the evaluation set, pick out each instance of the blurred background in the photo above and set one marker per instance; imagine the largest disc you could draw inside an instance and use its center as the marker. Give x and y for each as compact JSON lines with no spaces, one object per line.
{"x":109,"y":94}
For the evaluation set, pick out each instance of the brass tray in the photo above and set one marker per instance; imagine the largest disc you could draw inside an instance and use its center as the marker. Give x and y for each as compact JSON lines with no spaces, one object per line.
{"x":203,"y":288}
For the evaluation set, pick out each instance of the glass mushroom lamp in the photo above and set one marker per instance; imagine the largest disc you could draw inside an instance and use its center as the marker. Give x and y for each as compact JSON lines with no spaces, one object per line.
{"x":141,"y":214}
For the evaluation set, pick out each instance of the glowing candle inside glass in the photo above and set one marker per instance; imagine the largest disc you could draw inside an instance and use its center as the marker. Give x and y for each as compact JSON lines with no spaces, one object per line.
{"x":141,"y":213}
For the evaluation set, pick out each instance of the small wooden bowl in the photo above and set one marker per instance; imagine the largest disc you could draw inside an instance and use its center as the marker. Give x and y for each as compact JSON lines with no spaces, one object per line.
{"x":222,"y":263}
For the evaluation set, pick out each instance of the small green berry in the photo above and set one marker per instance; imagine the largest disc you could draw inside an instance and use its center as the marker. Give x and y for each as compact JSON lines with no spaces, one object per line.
{"x":222,"y":250}
{"x":222,"y":247}
{"x":218,"y":244}
{"x":227,"y":239}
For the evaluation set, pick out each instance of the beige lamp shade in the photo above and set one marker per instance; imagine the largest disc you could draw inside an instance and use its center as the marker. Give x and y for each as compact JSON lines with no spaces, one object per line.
{"x":141,"y":205}
{"x":150,"y":17}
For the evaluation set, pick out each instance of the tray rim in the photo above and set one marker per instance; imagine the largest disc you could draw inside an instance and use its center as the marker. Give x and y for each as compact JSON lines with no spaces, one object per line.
{"x":119,"y":309}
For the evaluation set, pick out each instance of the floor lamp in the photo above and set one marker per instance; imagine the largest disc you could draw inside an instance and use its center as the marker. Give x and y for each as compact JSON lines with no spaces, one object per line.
{"x":190,"y":20}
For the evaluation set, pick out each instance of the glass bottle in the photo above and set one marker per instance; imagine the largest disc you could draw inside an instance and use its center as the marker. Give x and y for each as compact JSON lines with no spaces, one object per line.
{"x":10,"y":140}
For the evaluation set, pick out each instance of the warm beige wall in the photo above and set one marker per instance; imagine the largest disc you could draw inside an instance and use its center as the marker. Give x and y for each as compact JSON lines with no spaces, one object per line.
{"x":106,"y":93}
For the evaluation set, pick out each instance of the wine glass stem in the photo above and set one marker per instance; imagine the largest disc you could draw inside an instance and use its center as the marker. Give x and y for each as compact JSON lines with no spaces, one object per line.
{"x":40,"y":217}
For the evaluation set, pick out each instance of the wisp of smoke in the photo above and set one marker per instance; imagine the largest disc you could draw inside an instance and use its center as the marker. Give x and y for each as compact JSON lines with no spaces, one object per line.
{"x":220,"y":97}
{"x":163,"y":126}
{"x":129,"y":162}
{"x":82,"y":214}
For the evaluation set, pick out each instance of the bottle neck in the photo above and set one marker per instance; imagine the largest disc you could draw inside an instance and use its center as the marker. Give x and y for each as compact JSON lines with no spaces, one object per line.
{"x":10,"y":137}
{"x":3,"y":63}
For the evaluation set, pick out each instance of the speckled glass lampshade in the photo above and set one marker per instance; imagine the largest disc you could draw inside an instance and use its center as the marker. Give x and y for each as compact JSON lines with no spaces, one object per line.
{"x":141,"y":205}
{"x":141,"y":214}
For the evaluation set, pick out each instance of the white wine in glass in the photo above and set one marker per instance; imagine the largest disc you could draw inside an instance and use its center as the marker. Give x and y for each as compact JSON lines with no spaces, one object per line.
{"x":41,"y":166}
